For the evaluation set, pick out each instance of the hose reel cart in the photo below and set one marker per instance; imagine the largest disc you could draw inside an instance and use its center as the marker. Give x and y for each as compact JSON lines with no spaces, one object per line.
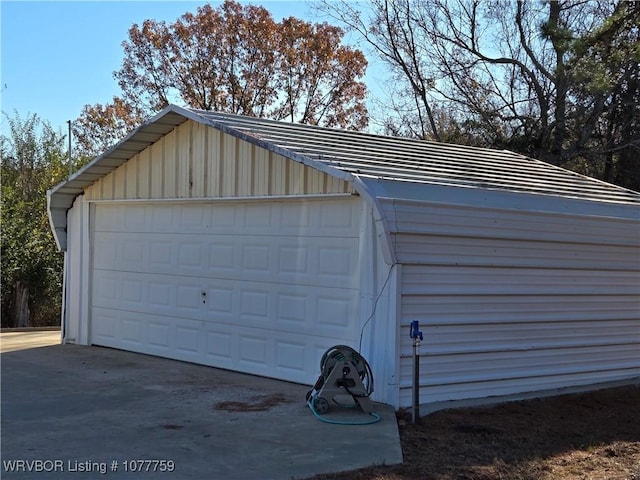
{"x":343,"y":372}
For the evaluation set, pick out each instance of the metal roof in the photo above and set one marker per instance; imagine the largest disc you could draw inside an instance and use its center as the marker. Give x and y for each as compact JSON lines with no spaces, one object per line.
{"x":353,"y":156}
{"x":417,"y":161}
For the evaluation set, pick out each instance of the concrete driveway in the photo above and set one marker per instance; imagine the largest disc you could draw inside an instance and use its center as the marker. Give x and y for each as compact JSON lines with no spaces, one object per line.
{"x":81,"y":411}
{"x":24,"y":339}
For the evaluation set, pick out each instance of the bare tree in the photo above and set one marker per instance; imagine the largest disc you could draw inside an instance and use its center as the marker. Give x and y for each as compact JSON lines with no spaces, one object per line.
{"x":515,"y":75}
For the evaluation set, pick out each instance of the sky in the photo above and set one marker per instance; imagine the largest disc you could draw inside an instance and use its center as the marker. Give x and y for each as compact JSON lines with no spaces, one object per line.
{"x":57,"y":56}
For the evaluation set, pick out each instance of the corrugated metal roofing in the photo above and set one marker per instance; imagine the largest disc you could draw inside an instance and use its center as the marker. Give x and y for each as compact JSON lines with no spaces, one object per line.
{"x":352,"y":156}
{"x":418,"y":161}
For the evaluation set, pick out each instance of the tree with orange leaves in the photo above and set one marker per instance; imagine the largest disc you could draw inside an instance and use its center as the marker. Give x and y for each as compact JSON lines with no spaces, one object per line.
{"x":234,"y":59}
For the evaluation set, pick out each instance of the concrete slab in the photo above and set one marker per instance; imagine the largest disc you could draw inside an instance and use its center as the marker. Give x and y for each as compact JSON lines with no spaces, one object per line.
{"x":22,"y":340}
{"x":83,"y":410}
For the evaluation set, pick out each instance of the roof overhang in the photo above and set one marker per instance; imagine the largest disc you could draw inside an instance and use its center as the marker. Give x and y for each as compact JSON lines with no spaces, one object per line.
{"x":61,"y":197}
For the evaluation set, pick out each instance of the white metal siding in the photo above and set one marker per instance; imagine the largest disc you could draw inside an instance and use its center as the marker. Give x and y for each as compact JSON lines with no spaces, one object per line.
{"x":260,"y":287}
{"x":512,"y":301}
{"x":197,"y":161}
{"x":76,"y":274}
{"x":378,"y":342}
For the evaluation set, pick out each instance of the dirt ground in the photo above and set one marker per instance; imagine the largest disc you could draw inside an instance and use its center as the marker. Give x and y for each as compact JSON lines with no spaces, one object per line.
{"x":588,"y":436}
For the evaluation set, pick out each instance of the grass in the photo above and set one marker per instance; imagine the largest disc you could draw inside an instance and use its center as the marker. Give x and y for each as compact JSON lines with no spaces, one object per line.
{"x":587,"y":436}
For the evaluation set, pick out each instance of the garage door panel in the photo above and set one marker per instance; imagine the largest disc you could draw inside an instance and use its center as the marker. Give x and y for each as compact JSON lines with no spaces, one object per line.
{"x":261,"y":288}
{"x":109,"y":220}
{"x":336,"y":262}
{"x":107,"y":289}
{"x":220,"y":346}
{"x":327,"y":218}
{"x":191,"y":256}
{"x":105,"y":251}
{"x":259,"y":217}
{"x":255,"y":259}
{"x":338,"y":221}
{"x":289,"y":357}
{"x":131,"y":330}
{"x":253,"y":351}
{"x":191,"y":217}
{"x":294,"y":259}
{"x":295,"y":217}
{"x":134,"y":216}
{"x":133,"y":291}
{"x":222,"y":257}
{"x":187,"y":338}
{"x":105,"y":328}
{"x":318,"y":311}
{"x":285,"y":355}
{"x":159,"y":334}
{"x":220,"y":302}
{"x":188,"y":299}
{"x":161,"y":295}
{"x":305,"y":261}
{"x":117,"y":328}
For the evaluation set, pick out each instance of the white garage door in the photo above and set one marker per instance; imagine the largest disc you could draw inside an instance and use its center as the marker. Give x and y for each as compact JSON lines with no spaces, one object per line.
{"x":263,"y":288}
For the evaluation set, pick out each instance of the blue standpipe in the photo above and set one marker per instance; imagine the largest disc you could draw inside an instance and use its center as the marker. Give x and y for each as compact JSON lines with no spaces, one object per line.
{"x":417,"y":337}
{"x":415,"y":330}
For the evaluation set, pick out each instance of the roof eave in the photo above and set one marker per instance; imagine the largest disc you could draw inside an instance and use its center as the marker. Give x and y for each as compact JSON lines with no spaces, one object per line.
{"x":61,"y":197}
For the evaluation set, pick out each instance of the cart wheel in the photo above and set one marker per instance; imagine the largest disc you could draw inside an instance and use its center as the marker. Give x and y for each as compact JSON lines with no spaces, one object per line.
{"x":320,"y":405}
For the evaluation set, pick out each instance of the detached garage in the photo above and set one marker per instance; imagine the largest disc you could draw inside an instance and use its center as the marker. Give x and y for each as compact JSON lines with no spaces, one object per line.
{"x":255,"y":245}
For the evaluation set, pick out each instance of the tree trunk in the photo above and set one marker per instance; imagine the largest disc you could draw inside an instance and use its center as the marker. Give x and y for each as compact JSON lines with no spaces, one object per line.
{"x":21,"y":313}
{"x":559,"y":131}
